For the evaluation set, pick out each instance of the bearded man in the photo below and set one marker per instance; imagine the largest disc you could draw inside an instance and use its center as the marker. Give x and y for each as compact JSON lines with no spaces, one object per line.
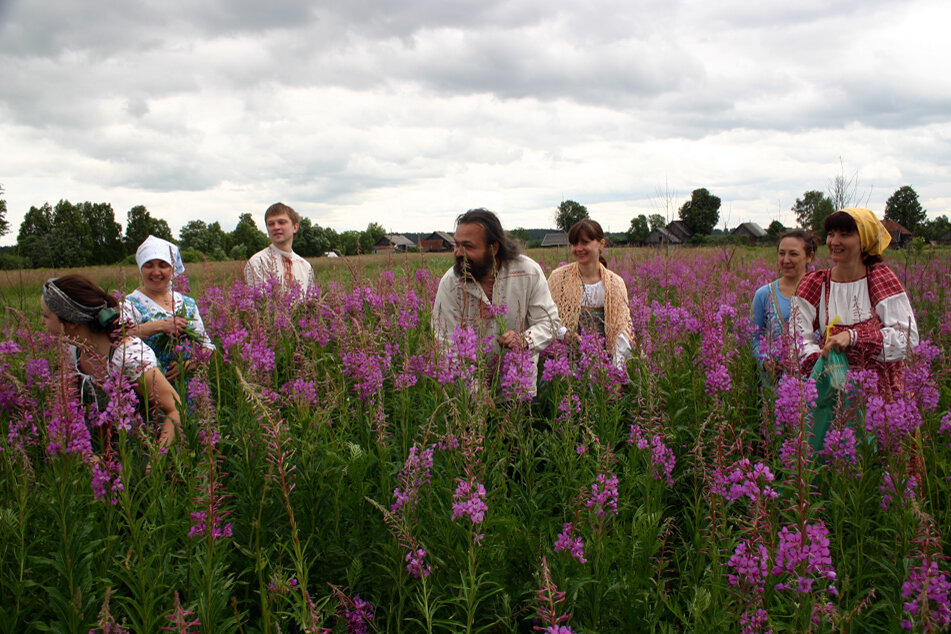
{"x":494,"y":289}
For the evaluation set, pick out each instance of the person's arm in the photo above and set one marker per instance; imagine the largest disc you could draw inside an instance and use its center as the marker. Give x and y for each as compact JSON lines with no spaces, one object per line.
{"x":899,"y":331}
{"x":542,"y":315}
{"x":447,"y":314}
{"x":154,"y":387}
{"x":759,"y":321}
{"x":803,"y":315}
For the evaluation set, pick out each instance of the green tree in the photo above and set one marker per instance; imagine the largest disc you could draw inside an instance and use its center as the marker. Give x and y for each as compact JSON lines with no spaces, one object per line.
{"x":935,"y":228}
{"x":774,"y":230}
{"x":70,"y":239}
{"x":568,"y":213}
{"x":812,"y":210}
{"x":639,"y":230}
{"x":370,"y":236}
{"x":207,"y":239}
{"x":4,"y":224}
{"x":656,"y":221}
{"x":701,"y":212}
{"x":520,"y":235}
{"x":247,"y":233}
{"x":140,"y":225}
{"x":312,"y":240}
{"x":105,"y":233}
{"x":903,"y":207}
{"x":348,"y":242}
{"x":33,"y":239}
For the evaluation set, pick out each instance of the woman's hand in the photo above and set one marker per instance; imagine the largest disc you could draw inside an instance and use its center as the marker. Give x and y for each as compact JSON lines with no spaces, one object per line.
{"x":838,"y":342}
{"x":173,"y":326}
{"x":175,"y":369}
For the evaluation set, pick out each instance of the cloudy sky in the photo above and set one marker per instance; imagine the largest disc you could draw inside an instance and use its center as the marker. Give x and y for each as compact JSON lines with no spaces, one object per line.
{"x":408,"y":112}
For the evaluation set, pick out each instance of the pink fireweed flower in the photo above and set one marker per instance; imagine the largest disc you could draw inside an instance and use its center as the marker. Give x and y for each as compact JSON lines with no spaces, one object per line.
{"x":926,"y":591}
{"x":755,"y":622}
{"x":518,"y":375}
{"x":416,"y":563}
{"x":795,"y":400}
{"x":122,"y":409}
{"x":744,"y":479}
{"x":892,"y":421}
{"x":663,"y":460}
{"x":808,"y":558}
{"x":888,"y":489}
{"x":469,"y":501}
{"x":358,"y":615}
{"x":750,"y":566}
{"x":37,"y":372}
{"x":548,"y":597}
{"x":67,"y":430}
{"x":300,"y":393}
{"x":181,"y":619}
{"x":574,"y":545}
{"x":840,"y":450}
{"x":107,"y":480}
{"x":604,"y":494}
{"x":416,"y":473}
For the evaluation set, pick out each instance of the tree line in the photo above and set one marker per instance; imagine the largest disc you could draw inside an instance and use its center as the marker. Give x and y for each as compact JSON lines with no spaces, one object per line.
{"x":701,"y":212}
{"x":87,"y":234}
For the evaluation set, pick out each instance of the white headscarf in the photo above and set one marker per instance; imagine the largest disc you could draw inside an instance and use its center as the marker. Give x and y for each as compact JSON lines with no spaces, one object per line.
{"x":158,"y":249}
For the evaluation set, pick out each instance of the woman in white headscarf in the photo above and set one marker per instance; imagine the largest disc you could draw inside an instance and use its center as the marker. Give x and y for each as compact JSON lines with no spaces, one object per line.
{"x":164,"y":317}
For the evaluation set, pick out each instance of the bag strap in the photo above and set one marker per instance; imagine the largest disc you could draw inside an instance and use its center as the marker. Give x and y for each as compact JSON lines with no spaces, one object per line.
{"x":779,"y":313}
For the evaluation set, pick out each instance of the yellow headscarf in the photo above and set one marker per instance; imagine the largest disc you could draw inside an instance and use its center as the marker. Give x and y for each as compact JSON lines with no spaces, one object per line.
{"x":872,"y":234}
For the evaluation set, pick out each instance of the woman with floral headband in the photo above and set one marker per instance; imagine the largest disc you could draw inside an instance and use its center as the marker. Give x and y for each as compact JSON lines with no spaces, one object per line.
{"x":161,"y":316}
{"x":77,"y":309}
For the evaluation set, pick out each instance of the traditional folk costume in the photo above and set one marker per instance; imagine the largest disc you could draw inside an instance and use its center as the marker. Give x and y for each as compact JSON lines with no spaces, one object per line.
{"x":140,"y":308}
{"x":288,"y":267}
{"x":601,"y":307}
{"x":519,"y":287}
{"x":874,"y":309}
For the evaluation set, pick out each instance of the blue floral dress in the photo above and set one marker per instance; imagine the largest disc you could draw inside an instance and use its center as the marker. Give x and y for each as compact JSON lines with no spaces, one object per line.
{"x":142,"y":309}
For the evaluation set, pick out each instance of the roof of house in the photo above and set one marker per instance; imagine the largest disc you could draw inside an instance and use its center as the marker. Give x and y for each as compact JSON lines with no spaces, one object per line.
{"x":555,"y":239}
{"x":680,"y":229}
{"x":441,"y":235}
{"x":660,"y":234}
{"x":893,"y":227}
{"x":751,"y":228}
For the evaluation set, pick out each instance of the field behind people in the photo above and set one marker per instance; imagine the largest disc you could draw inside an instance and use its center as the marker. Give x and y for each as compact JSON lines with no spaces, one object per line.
{"x":336,"y":464}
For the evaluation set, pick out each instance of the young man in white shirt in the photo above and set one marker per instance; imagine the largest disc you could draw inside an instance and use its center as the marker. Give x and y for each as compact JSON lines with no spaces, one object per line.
{"x":278,"y":260}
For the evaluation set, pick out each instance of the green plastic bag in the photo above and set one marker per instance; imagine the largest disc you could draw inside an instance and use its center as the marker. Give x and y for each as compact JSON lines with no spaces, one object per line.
{"x":829,"y":374}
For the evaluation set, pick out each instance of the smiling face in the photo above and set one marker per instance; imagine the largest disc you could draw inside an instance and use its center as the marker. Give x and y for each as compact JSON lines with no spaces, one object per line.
{"x":281,"y":230}
{"x":587,"y":250}
{"x":474,"y":258}
{"x":845,"y":246}
{"x":792,"y":258}
{"x":50,"y":320}
{"x":156,"y":275}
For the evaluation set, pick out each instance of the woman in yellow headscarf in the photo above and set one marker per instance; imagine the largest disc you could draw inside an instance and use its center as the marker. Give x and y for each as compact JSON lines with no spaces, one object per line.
{"x":859,"y":304}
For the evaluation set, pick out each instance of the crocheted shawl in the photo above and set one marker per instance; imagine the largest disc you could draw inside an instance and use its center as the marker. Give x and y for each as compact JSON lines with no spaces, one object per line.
{"x":567,"y":287}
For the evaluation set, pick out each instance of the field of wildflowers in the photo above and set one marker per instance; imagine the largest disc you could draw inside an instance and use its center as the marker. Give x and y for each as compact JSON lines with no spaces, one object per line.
{"x":339,"y":473}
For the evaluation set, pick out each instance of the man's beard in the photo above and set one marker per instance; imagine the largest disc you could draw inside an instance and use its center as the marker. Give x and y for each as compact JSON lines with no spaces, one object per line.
{"x":470,"y":268}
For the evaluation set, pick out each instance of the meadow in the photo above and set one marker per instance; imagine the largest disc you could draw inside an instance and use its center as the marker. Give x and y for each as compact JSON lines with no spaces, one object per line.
{"x":340,"y":473}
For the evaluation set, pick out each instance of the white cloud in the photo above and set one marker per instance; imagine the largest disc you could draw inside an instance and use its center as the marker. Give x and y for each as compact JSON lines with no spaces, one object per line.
{"x":408,"y":113}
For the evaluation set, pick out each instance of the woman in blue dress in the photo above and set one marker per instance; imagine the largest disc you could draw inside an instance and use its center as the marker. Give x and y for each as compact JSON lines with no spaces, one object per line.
{"x":164,"y":317}
{"x":771,"y":302}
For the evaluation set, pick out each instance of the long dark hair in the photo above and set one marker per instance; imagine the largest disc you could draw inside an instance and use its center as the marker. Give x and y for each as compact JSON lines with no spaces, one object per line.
{"x":508,"y":248}
{"x":587,"y":229}
{"x":842,"y":221}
